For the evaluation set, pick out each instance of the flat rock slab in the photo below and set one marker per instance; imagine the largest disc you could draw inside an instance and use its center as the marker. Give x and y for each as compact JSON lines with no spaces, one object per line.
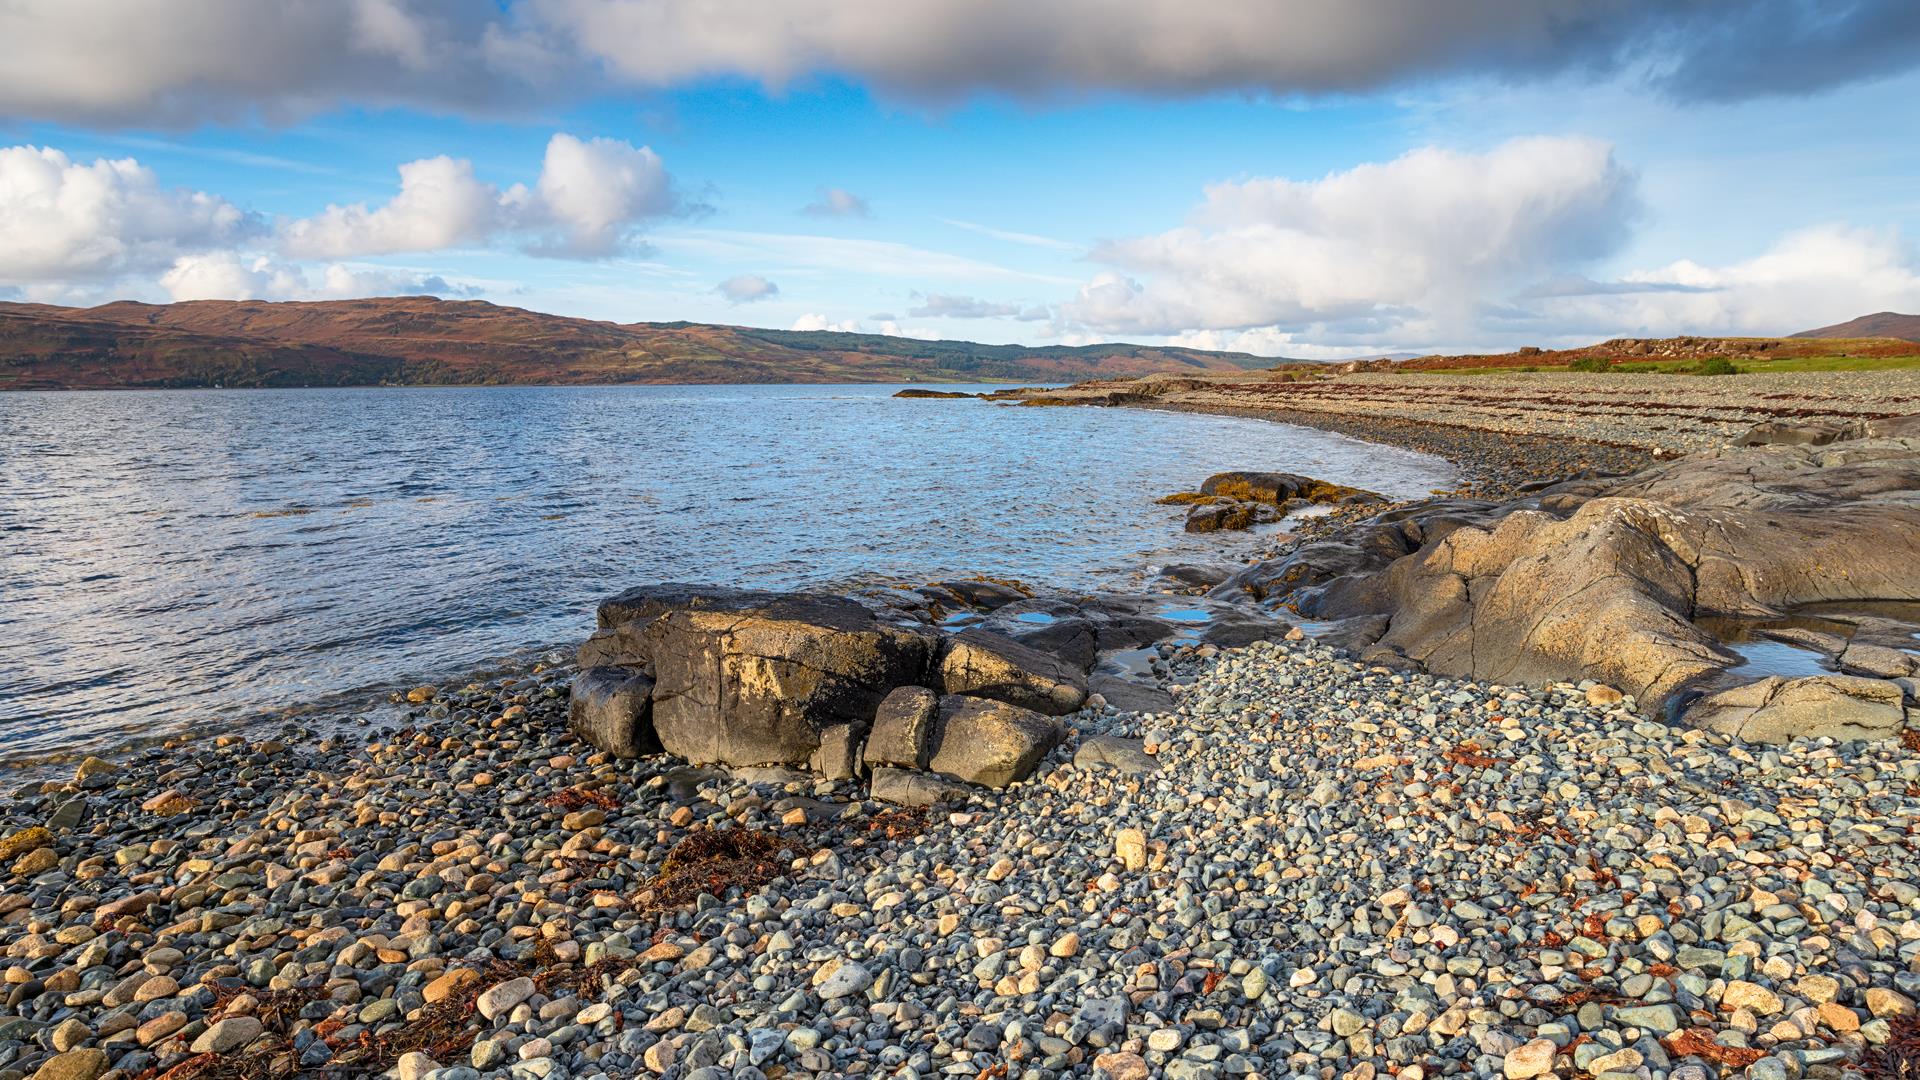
{"x":908,"y":787}
{"x":1129,"y":696}
{"x":1113,"y":752}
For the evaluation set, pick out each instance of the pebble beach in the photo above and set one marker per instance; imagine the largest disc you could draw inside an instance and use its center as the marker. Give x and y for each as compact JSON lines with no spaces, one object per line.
{"x":1308,"y":868}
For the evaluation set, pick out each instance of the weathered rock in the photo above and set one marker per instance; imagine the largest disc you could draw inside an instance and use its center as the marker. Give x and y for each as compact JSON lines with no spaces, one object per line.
{"x":1113,"y":752}
{"x":1224,"y":516}
{"x":903,"y":728}
{"x":751,"y":678}
{"x":1777,"y":709}
{"x":839,"y":755}
{"x":991,"y":666}
{"x":990,"y":743}
{"x":610,"y":709}
{"x":907,"y":787}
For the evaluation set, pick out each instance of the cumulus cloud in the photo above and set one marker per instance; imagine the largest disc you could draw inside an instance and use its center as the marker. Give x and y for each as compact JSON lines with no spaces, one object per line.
{"x":590,"y":196}
{"x":228,"y":275}
{"x":949,"y":306}
{"x":74,"y":230}
{"x":747,"y":288}
{"x":119,"y":62}
{"x":69,"y":221}
{"x":837,"y":202}
{"x":815,"y":321}
{"x":440,"y":205}
{"x":1430,"y":233}
{"x":1809,"y":278}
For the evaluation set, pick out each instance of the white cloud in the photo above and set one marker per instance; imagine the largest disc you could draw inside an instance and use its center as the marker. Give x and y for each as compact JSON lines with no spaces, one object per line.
{"x":949,"y":306}
{"x":815,"y":321}
{"x":440,"y":205}
{"x":1427,"y":236}
{"x":65,"y":221}
{"x":1807,"y":279}
{"x":228,"y":275}
{"x":590,"y":196}
{"x":747,"y":288}
{"x":837,"y":202}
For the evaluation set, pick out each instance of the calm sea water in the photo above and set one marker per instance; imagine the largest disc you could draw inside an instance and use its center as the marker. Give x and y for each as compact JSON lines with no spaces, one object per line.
{"x":170,"y":559}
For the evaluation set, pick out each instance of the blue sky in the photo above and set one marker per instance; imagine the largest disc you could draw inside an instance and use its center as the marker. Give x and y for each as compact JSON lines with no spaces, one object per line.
{"x":1324,"y":180}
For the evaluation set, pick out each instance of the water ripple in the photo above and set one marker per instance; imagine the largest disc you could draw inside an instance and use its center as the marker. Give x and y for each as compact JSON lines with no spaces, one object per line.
{"x":177,"y":558}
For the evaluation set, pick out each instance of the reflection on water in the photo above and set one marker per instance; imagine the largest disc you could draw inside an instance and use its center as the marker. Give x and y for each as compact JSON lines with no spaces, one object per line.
{"x":168,"y":558}
{"x":1760,"y":658}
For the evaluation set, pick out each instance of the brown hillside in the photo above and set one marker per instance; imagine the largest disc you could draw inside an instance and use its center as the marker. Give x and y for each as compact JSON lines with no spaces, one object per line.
{"x":1881,"y":324}
{"x":422,"y":340}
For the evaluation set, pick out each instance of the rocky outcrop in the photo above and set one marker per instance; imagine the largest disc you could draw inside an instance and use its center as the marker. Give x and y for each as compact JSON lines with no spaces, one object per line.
{"x":751,"y":678}
{"x":747,"y":679}
{"x":1232,"y":501}
{"x":988,"y":665}
{"x":1607,"y":579}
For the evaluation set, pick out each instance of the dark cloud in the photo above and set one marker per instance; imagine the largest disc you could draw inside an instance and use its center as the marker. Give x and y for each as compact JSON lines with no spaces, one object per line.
{"x":125,"y":63}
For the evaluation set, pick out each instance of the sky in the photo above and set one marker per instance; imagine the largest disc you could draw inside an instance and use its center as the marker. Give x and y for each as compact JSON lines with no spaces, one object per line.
{"x":1309,"y":178}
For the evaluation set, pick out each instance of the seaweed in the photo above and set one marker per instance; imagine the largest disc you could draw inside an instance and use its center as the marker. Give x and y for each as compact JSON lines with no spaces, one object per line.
{"x":713,"y":861}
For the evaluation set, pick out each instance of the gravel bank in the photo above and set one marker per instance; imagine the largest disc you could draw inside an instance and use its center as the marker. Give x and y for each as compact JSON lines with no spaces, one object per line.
{"x":1668,"y":414}
{"x":1325,"y":871}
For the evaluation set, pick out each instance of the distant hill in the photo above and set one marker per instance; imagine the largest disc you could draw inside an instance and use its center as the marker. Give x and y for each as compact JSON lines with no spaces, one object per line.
{"x":420,"y":340}
{"x":1882,"y":324}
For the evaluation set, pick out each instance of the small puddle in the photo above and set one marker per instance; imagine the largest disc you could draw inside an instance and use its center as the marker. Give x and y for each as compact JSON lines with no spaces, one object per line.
{"x":1136,"y":664}
{"x":960,"y":619}
{"x":1760,"y":658}
{"x":1185,"y":615}
{"x":1039,"y":618}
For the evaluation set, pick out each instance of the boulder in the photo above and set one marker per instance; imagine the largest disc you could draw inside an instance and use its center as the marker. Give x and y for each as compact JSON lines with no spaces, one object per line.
{"x":908,"y":787}
{"x":989,"y":665}
{"x":990,"y":743}
{"x":754,"y":678}
{"x":903,"y":729}
{"x":1777,"y":709}
{"x":610,"y":709}
{"x":1223,"y":517}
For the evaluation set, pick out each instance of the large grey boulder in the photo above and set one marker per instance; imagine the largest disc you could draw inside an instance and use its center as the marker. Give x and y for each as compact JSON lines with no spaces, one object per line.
{"x":754,"y":678}
{"x":1842,"y":707}
{"x":989,"y":665}
{"x":609,"y":708}
{"x":990,"y":743}
{"x":903,"y":729}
